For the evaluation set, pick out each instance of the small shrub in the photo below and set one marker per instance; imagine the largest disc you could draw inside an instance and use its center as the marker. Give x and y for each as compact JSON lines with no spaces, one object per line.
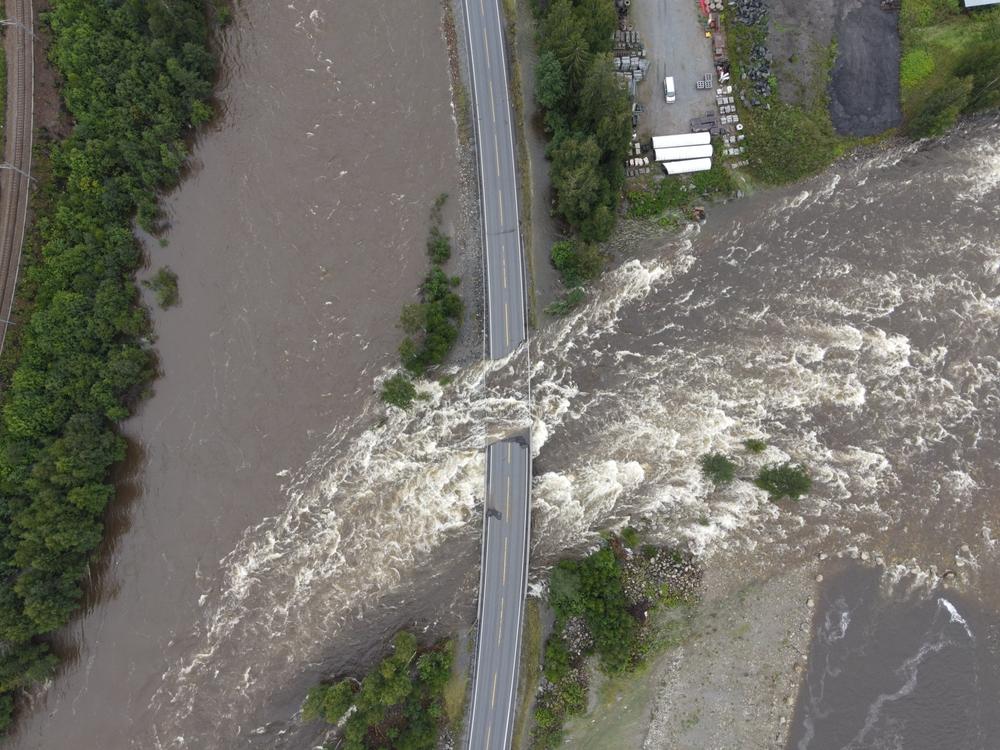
{"x":577,"y":263}
{"x":718,"y":468}
{"x":787,"y":480}
{"x":630,"y":537}
{"x":755,"y":445}
{"x":164,"y":286}
{"x":567,"y":303}
{"x":398,"y":391}
{"x":438,"y":246}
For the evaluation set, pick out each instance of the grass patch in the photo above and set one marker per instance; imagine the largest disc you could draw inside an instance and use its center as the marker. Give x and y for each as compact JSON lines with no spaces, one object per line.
{"x":454,"y":695}
{"x":567,"y":303}
{"x":531,"y":662}
{"x":950,"y":64}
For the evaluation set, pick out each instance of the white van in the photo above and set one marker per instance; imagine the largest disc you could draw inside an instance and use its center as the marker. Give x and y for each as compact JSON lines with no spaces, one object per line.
{"x":669,"y":93}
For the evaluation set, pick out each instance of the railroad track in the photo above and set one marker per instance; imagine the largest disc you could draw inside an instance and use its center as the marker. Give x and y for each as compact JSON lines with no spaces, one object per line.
{"x":19,"y":126}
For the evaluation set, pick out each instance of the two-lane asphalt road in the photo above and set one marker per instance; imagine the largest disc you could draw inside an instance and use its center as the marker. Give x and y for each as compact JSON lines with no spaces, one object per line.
{"x":497,"y":177}
{"x":502,"y":587}
{"x":507,"y":521}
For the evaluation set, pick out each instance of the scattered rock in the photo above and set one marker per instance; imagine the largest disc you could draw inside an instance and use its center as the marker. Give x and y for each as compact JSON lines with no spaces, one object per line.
{"x":819,"y":578}
{"x":810,"y":602}
{"x":865,"y":556}
{"x":821,"y":556}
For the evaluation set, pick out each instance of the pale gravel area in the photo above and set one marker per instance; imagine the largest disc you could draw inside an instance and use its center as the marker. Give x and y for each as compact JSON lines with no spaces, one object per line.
{"x":733,"y":684}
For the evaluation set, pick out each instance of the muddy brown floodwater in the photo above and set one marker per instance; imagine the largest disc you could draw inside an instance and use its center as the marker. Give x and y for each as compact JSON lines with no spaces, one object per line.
{"x":296,"y":237}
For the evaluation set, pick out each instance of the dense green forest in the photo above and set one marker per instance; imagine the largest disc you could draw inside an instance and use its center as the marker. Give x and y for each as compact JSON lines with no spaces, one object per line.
{"x":399,"y":704}
{"x":587,"y":118}
{"x":136,"y":76}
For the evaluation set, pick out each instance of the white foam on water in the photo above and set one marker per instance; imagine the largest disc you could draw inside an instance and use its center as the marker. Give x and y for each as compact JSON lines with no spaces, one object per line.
{"x":954,"y":616}
{"x":909,"y":670}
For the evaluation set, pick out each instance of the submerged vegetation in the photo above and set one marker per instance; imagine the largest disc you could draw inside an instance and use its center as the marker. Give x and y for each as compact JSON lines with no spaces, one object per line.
{"x":431,"y":325}
{"x":136,"y":77}
{"x":602,"y":607}
{"x":950,"y":64}
{"x":164,"y":287}
{"x":398,"y":704}
{"x":780,"y":481}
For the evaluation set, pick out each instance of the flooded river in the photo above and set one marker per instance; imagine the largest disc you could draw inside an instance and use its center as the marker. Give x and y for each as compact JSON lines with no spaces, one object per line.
{"x":275,"y":526}
{"x":297,"y":237}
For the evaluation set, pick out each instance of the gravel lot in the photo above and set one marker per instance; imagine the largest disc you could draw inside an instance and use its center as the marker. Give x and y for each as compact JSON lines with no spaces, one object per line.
{"x":864,"y":92}
{"x":675,"y":45}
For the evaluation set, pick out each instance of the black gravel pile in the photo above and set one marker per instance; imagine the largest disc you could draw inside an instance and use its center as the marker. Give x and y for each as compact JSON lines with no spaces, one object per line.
{"x":757,"y":75}
{"x":751,"y":12}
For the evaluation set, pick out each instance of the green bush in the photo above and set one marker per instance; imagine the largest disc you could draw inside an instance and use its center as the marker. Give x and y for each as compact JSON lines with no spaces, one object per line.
{"x":576,"y":262}
{"x":164,"y":287}
{"x":630,"y":537}
{"x":718,"y":468}
{"x":787,"y":480}
{"x":755,"y":445}
{"x":399,"y":391}
{"x":438,"y":246}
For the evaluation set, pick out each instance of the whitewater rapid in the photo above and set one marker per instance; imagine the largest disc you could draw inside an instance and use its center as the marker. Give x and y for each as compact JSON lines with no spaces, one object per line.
{"x":851,"y":322}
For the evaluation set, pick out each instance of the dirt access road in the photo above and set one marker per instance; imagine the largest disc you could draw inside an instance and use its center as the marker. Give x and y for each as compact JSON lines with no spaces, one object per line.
{"x":675,"y":46}
{"x":14,"y":187}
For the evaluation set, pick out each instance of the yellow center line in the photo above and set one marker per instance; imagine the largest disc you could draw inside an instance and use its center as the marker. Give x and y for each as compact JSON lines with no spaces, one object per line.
{"x":493,"y":105}
{"x":487,"y":45}
{"x":500,"y":196}
{"x":508,"y":513}
{"x":489,"y":730}
{"x":508,"y":455}
{"x":496,"y":147}
{"x":493,"y":699}
{"x":503,"y":264}
{"x":506,"y":323}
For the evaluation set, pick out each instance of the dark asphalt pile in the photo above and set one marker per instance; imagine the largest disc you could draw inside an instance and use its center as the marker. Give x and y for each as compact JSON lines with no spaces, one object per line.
{"x":757,"y":74}
{"x":864,"y":90}
{"x":751,"y":12}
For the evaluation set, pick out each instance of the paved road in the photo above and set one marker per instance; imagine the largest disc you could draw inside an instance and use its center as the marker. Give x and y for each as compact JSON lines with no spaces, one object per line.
{"x":502,"y":588}
{"x":503,"y":576}
{"x":498,"y":178}
{"x":19,"y":48}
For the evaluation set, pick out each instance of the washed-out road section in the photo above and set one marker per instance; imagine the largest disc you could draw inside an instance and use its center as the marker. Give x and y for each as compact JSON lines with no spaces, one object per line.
{"x":503,"y":577}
